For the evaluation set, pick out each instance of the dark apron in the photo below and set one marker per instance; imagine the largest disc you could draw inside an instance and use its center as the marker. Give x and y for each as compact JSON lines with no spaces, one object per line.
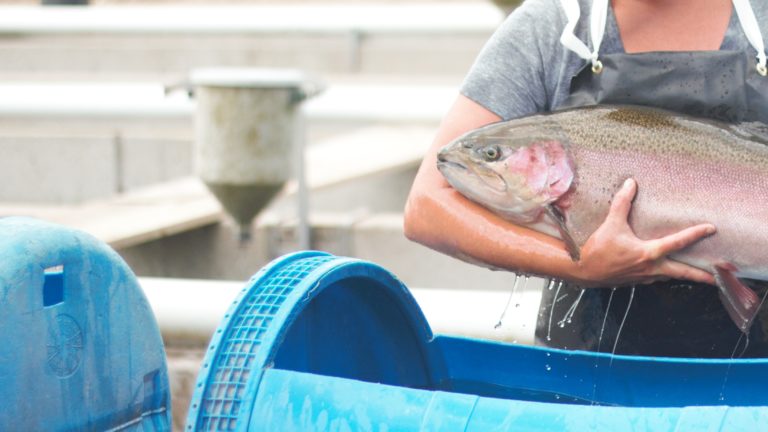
{"x":675,"y":318}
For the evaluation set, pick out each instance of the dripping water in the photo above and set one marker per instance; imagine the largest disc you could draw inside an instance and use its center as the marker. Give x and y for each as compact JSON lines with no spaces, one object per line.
{"x":721,"y":397}
{"x":605,"y":319}
{"x":571,"y":311}
{"x":600,"y":342}
{"x":551,"y":284}
{"x":552,"y":310}
{"x":744,"y":336}
{"x":621,"y":326}
{"x":512,"y":294}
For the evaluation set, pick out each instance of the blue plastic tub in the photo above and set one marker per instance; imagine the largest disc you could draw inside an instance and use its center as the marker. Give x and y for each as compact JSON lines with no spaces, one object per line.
{"x":81,"y":349}
{"x":317,"y":342}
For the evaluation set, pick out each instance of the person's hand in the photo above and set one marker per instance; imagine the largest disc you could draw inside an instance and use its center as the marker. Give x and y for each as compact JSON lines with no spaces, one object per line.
{"x":615,"y":256}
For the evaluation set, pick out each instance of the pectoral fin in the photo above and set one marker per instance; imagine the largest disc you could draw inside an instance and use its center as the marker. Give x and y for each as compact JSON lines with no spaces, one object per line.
{"x":570,"y":244}
{"x":739,"y":300}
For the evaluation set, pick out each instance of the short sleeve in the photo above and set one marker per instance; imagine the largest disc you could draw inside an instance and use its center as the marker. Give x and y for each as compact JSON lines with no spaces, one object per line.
{"x":509,"y":76}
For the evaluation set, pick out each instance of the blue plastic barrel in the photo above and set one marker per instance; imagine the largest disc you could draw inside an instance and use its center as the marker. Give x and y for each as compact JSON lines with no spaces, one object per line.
{"x":322,"y":343}
{"x":81,"y":349}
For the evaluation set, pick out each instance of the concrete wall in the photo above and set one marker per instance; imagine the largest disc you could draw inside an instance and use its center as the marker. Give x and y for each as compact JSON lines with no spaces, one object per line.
{"x":71,"y":161}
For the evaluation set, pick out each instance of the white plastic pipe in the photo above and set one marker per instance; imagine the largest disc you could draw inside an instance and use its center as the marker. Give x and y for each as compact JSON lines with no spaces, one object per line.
{"x":189,"y":310}
{"x":341,"y":18}
{"x":340,"y":102}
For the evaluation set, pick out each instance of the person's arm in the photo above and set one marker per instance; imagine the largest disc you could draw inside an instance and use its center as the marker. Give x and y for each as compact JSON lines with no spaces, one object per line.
{"x":439,"y":217}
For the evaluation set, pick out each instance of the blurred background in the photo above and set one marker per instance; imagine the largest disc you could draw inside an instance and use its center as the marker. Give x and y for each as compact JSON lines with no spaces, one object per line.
{"x":100,"y":118}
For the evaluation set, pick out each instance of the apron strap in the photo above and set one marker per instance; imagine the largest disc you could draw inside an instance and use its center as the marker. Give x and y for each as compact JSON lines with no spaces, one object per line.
{"x":752,"y":31}
{"x":596,"y":26}
{"x":597,"y":20}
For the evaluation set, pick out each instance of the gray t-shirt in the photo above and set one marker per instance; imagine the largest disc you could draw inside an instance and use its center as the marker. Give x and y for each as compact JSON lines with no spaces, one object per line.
{"x":523,"y":68}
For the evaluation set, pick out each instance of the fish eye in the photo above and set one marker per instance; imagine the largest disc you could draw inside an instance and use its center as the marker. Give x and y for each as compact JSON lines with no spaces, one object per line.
{"x":491,"y":153}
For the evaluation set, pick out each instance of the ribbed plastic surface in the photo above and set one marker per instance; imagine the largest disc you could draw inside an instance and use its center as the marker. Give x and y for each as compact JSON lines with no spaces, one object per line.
{"x":227,"y":368}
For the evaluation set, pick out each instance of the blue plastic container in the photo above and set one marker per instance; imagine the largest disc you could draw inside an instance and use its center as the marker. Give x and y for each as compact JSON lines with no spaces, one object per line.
{"x":81,"y":349}
{"x":317,"y":342}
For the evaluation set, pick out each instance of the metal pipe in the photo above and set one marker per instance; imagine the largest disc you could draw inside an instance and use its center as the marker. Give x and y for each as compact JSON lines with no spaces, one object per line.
{"x":303,"y":229}
{"x":341,"y":19}
{"x":189,"y":311}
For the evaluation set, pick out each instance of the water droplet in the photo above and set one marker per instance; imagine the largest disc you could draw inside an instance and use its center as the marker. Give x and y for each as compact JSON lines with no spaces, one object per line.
{"x":548,"y":367}
{"x":557,"y":397}
{"x":509,"y":300}
{"x":549,"y":338}
{"x":548,"y":354}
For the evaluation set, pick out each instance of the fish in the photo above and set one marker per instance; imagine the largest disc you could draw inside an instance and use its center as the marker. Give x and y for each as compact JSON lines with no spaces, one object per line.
{"x":557,"y":173}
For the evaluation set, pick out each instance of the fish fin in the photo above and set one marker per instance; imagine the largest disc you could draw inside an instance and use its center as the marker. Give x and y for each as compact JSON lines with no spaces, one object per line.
{"x":755,"y":131}
{"x":739,"y":300}
{"x":570,"y":244}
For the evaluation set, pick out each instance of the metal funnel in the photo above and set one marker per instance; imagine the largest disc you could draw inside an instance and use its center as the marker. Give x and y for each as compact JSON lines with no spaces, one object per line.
{"x":247,"y":135}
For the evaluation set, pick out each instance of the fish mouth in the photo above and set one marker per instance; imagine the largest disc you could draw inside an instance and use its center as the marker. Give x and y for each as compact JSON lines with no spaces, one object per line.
{"x":446,"y":164}
{"x":453,"y":169}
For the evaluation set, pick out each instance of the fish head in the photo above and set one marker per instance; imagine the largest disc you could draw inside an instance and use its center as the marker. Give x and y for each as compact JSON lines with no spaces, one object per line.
{"x":513,"y":168}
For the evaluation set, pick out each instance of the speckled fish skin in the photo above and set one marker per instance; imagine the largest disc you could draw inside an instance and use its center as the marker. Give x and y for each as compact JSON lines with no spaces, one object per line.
{"x":689,"y":171}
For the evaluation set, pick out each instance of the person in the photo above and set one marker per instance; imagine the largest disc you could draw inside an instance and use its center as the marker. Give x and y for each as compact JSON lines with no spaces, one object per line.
{"x":662,"y":53}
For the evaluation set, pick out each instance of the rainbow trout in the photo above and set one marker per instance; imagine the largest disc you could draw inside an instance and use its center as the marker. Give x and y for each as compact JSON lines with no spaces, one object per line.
{"x":557,"y":173}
